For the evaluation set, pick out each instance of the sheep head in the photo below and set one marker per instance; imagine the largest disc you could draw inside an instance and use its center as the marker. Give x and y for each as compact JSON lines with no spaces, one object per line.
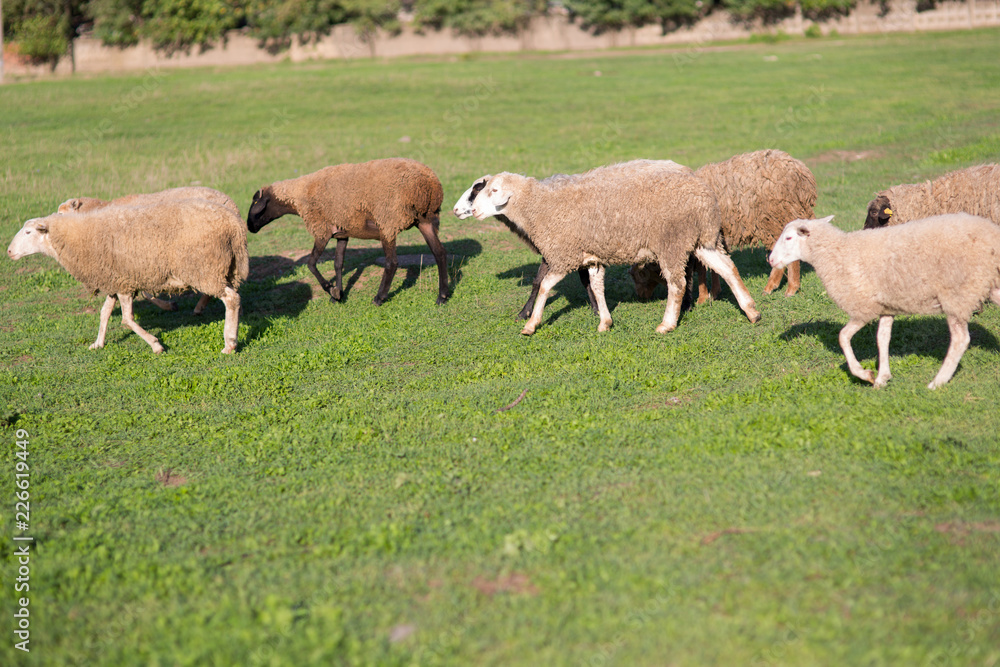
{"x":493,"y":198}
{"x":263,"y":209}
{"x":81,"y":205}
{"x":32,"y":238}
{"x":463,"y":207}
{"x":879,"y":212}
{"x":792,"y":245}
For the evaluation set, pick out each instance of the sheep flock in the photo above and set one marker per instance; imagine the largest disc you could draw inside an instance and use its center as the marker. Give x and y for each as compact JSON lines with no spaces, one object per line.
{"x":928,"y":248}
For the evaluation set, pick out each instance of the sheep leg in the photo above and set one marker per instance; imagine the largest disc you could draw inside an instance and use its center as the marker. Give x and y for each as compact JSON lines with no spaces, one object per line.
{"x":548,"y":282}
{"x":960,"y":340}
{"x":846,"y":334}
{"x":585,"y":275}
{"x":338,"y":268}
{"x":102,"y":330}
{"x":389,"y":248}
{"x":128,"y":321}
{"x":199,"y":307}
{"x":884,"y":334}
{"x":161,"y":303}
{"x":543,"y":269}
{"x":318,"y":247}
{"x":701,"y":276}
{"x":596,"y":275}
{"x":716,"y":285}
{"x":429,"y":233}
{"x":231,"y":299}
{"x":675,"y":295}
{"x":793,"y":278}
{"x":721,"y":263}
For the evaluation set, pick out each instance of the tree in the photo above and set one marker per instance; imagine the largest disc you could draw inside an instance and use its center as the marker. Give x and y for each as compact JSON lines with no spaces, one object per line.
{"x":608,"y":15}
{"x":44,"y":29}
{"x":477,"y":17}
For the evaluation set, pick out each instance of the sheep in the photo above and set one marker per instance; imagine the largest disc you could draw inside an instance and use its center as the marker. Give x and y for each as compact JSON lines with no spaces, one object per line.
{"x":632,"y":213}
{"x":975,"y":190}
{"x":85,"y":204}
{"x":167,"y":246}
{"x":758,"y":194}
{"x":946,"y":263}
{"x":370,"y":200}
{"x":463,"y":209}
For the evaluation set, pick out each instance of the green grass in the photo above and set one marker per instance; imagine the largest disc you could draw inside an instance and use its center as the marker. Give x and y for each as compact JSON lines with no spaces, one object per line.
{"x":344,"y":491}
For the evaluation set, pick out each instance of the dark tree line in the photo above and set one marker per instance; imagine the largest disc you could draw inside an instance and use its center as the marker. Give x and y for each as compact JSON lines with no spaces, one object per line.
{"x":44,"y":29}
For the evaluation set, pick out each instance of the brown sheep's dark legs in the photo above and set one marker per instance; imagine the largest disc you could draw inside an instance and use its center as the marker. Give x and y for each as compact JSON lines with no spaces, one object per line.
{"x":338,"y":267}
{"x":543,"y":269}
{"x":428,"y":230}
{"x":318,"y":247}
{"x":389,"y":247}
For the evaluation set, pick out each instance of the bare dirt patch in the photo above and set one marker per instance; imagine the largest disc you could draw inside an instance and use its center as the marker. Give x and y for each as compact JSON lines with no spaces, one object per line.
{"x":843,"y":156}
{"x":515,"y":582}
{"x":712,"y":537}
{"x":169,"y":478}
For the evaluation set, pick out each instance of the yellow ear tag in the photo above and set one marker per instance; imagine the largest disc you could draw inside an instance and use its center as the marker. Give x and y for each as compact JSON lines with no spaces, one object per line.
{"x":888,"y":211}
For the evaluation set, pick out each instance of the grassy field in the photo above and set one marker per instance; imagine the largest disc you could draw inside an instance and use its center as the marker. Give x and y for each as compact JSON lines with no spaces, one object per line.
{"x":343,"y":490}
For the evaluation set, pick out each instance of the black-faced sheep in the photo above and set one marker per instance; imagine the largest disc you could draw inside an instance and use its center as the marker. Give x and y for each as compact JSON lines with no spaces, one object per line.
{"x":165,"y":247}
{"x":758,"y":194}
{"x":975,"y":191}
{"x":87,"y":204}
{"x":621,"y":214}
{"x":371,"y":200}
{"x":944,"y":264}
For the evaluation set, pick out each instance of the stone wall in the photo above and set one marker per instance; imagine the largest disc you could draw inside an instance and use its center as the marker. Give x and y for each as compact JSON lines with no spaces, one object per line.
{"x":547,"y":33}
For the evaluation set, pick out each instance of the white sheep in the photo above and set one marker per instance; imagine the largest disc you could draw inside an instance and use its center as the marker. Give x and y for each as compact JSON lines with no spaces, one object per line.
{"x":463,"y":210}
{"x":944,"y":264}
{"x":165,"y":247}
{"x":87,"y":204}
{"x":621,"y":214}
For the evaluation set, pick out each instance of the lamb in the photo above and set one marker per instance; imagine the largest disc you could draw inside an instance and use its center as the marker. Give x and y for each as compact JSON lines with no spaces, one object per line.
{"x":371,"y":200}
{"x":85,"y":204}
{"x":634,"y":214}
{"x":946,"y":263}
{"x":975,"y":190}
{"x":167,"y":246}
{"x":758,"y":194}
{"x":463,"y":209}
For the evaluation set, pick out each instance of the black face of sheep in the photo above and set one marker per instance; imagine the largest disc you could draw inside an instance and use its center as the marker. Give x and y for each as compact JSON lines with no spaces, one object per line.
{"x":879,"y":212}
{"x":258,"y":215}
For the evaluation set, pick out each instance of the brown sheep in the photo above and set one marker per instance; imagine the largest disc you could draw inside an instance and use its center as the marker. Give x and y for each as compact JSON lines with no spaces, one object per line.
{"x":165,"y":247}
{"x":758,"y":194}
{"x":371,"y":200}
{"x":975,"y":190}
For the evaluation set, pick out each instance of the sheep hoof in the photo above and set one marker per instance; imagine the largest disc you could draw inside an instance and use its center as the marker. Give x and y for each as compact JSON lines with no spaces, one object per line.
{"x":378,"y":301}
{"x":881,"y":381}
{"x":95,"y":346}
{"x":527,"y":330}
{"x":228,"y":349}
{"x":157,"y":348}
{"x":442,"y":298}
{"x":753,"y":315}
{"x":197,"y":311}
{"x":172,"y":307}
{"x":663,"y":328}
{"x":523,"y":315}
{"x":791,"y":292}
{"x":334,"y":294}
{"x":604,"y":326}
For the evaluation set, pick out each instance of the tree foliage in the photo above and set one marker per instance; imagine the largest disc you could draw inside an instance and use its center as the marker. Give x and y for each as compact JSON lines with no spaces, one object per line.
{"x":477,"y":17}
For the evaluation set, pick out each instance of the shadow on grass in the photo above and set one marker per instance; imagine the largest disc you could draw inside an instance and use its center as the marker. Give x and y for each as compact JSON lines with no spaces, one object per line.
{"x":925,"y":336}
{"x":356,"y":260}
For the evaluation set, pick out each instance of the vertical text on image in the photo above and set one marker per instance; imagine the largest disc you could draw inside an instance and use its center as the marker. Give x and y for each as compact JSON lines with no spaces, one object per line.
{"x":22,"y":519}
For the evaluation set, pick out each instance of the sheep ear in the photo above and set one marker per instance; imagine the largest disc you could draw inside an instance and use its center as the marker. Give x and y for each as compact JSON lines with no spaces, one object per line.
{"x":802,"y":230}
{"x":826,"y":219}
{"x":260,"y":201}
{"x":75,"y":204}
{"x":42,"y":227}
